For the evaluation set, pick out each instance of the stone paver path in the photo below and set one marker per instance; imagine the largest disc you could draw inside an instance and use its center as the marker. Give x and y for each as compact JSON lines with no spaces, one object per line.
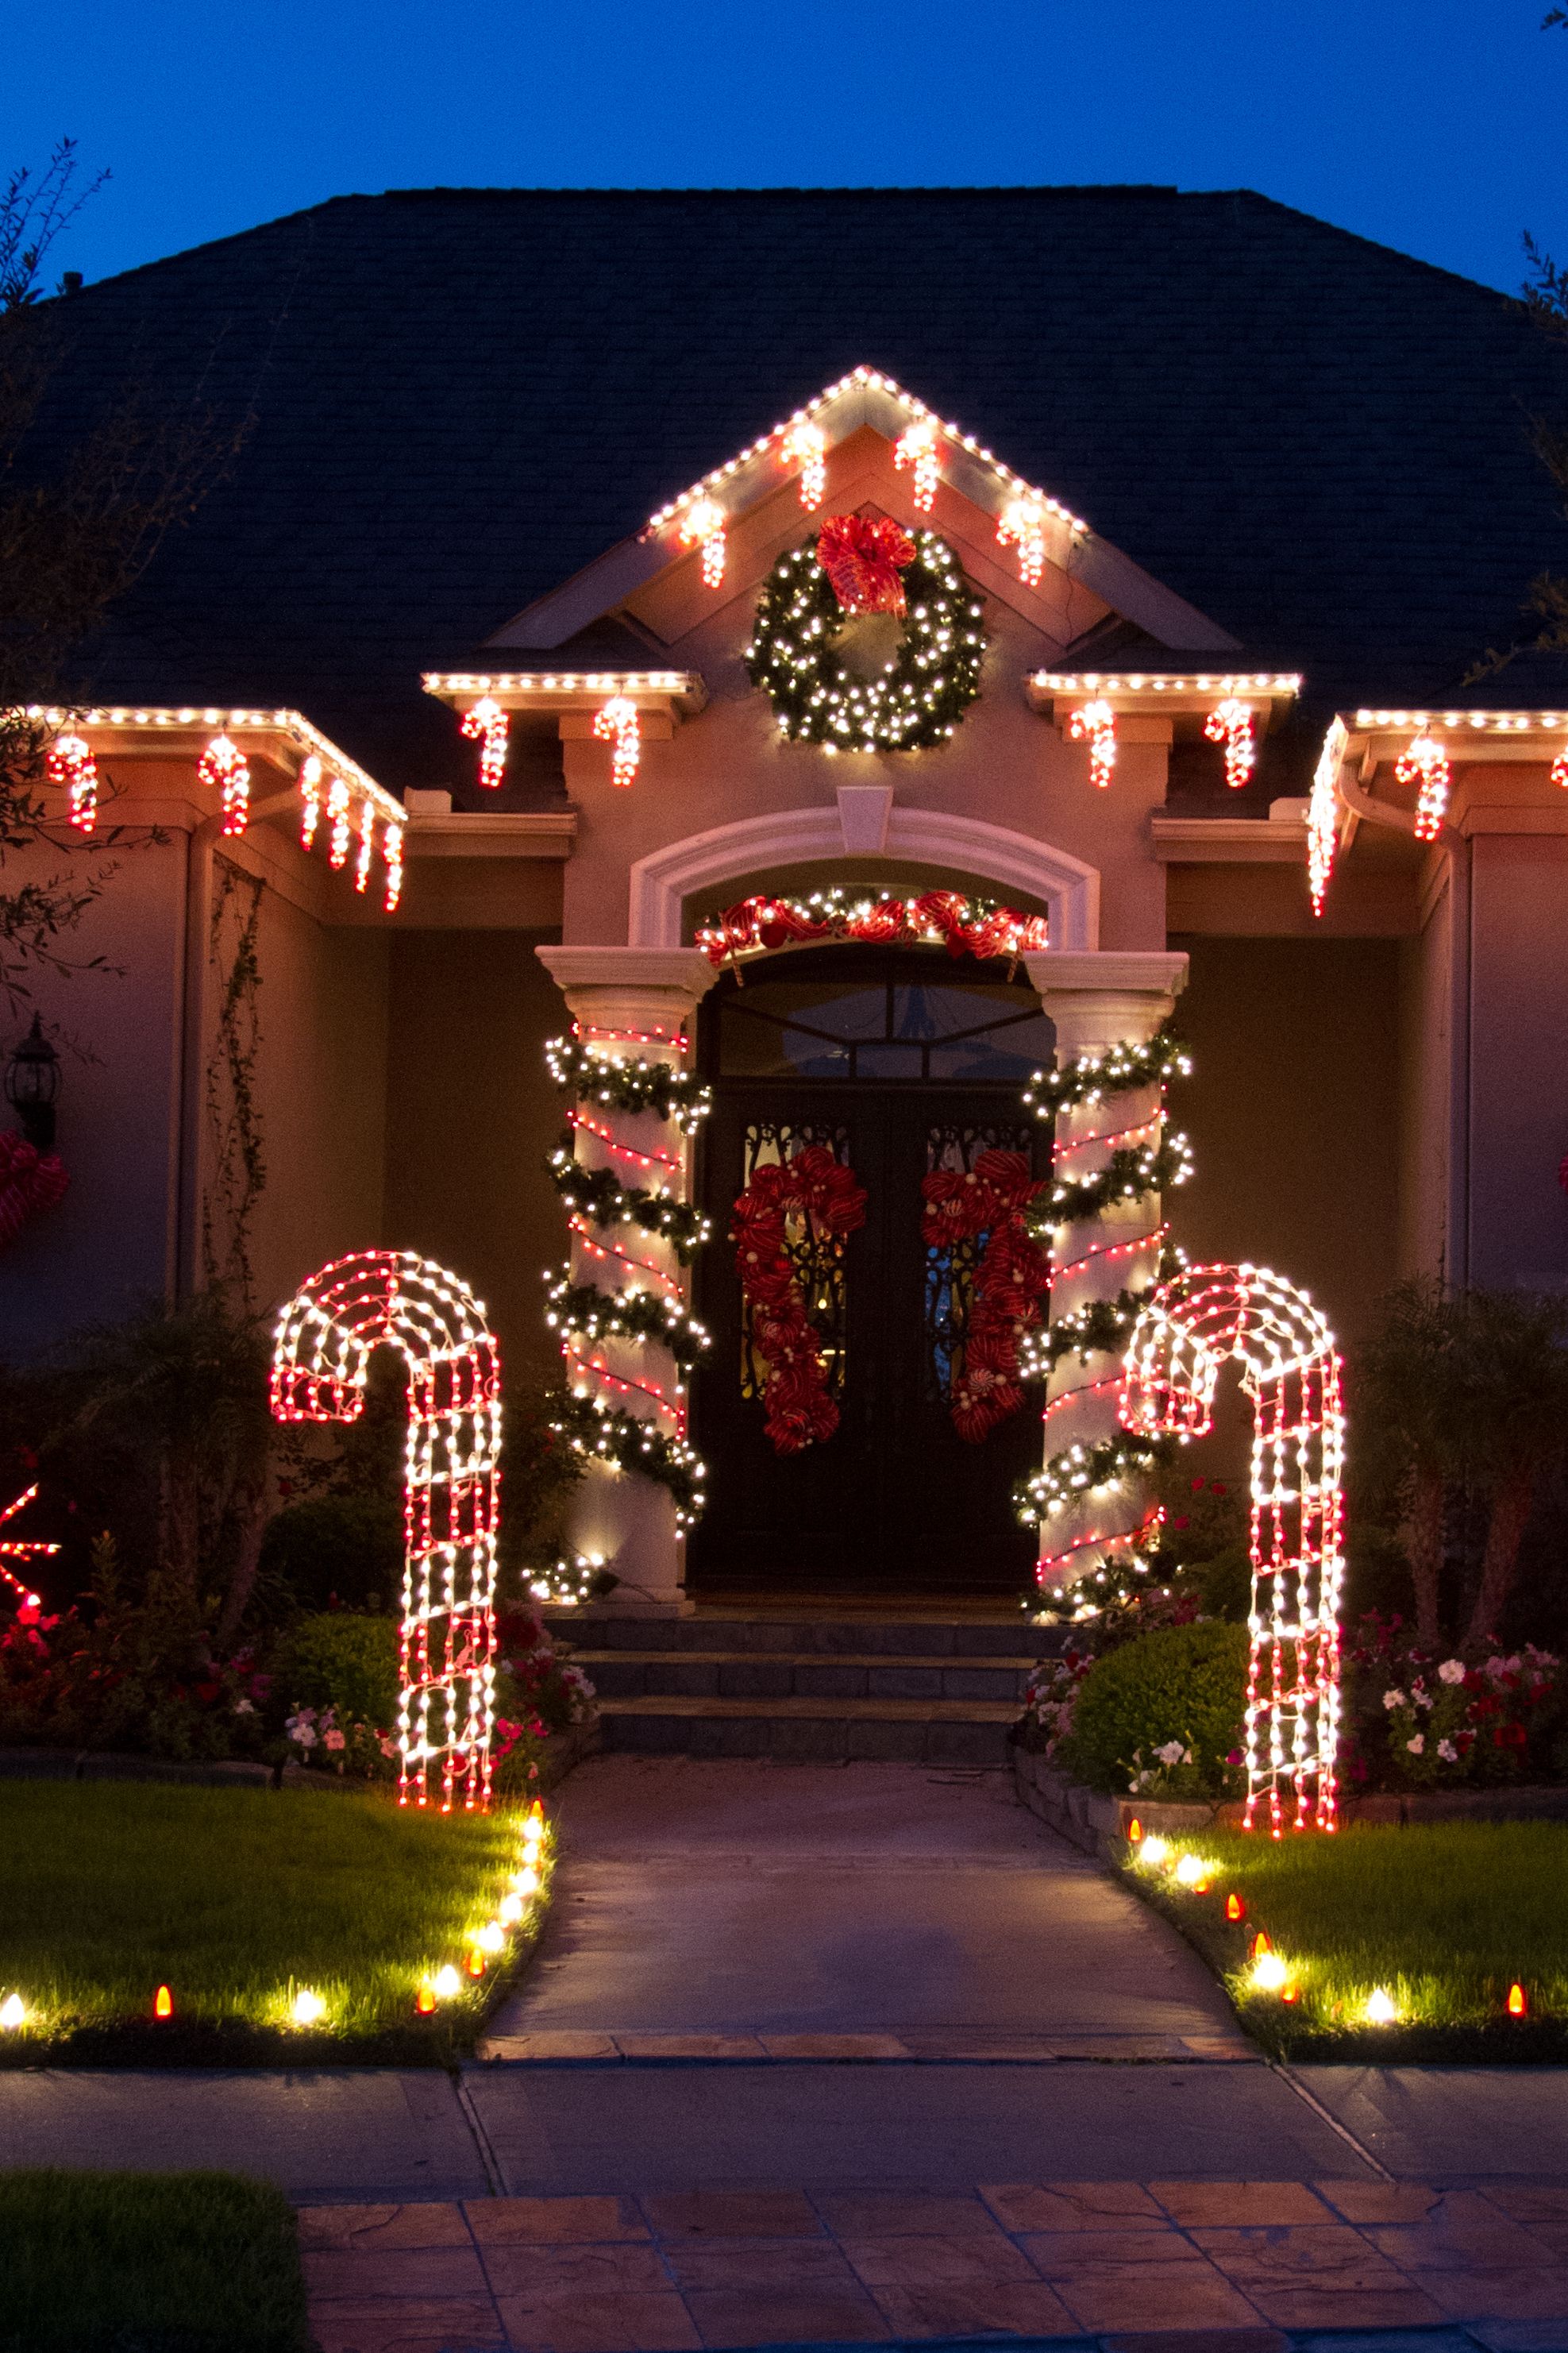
{"x":1232,"y":2264}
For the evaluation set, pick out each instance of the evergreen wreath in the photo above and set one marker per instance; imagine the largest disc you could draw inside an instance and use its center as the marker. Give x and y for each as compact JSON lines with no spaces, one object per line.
{"x":920,"y":696}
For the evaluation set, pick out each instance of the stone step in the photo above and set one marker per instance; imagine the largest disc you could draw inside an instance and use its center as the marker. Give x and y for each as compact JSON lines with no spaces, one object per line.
{"x":800,"y":1674}
{"x":1002,"y":1637}
{"x":815,"y":1731}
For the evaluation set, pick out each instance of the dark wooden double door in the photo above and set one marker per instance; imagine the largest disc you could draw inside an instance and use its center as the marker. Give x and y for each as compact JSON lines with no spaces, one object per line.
{"x":895,"y":1499}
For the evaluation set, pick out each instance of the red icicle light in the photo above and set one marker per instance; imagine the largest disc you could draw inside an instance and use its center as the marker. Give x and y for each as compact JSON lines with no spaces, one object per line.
{"x":1517,"y":2004}
{"x":162,"y":2003}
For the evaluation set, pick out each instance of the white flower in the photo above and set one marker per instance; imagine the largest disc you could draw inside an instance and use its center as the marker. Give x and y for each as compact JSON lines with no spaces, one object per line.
{"x":1417,"y":1745}
{"x":1172,"y":1753}
{"x":244,"y":1707}
{"x":1447,"y":1752}
{"x":1395,"y":1699}
{"x":1452,"y":1671}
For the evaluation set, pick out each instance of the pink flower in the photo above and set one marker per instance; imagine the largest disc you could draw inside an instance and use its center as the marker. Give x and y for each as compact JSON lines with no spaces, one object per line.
{"x":335,"y":1740}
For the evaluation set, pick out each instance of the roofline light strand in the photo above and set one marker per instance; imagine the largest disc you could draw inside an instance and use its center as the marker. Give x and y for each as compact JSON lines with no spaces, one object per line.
{"x":1290,"y":1370}
{"x":325,"y":1338}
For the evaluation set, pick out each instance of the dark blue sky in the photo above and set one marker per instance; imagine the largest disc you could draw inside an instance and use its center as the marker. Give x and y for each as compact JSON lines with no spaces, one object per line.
{"x":1437,"y":127}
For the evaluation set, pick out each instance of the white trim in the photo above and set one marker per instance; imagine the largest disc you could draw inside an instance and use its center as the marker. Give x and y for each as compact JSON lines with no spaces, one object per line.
{"x":667,"y":878}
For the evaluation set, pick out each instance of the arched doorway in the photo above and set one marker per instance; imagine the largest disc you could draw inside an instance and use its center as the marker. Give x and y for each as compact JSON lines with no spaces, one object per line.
{"x":899,"y":1062}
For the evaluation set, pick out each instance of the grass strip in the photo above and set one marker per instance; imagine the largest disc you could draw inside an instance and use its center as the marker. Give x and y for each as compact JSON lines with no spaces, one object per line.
{"x":148,"y":2262}
{"x":1442,"y":1918}
{"x":236,"y":1899}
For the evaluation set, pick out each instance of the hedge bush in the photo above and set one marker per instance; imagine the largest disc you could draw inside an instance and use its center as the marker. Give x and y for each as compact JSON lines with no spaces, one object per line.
{"x":346,"y":1550}
{"x":343,"y":1661}
{"x":1185,"y":1683}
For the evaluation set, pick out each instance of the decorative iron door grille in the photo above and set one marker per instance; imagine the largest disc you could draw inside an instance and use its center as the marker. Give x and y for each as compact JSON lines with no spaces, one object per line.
{"x":902,"y":1065}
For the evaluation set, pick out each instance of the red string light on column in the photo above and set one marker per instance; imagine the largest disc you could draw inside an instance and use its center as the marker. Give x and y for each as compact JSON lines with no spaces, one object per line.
{"x":805,"y":445}
{"x":1186,"y":1331}
{"x":1230,"y":724}
{"x":617,"y":722}
{"x":392,"y":851}
{"x":1424,"y":762}
{"x":222,"y":768}
{"x":1094,"y":723}
{"x":703,"y":525}
{"x":325,"y":1338}
{"x":310,"y":800}
{"x":1022,"y":525}
{"x":16,"y":1548}
{"x":919,"y":447}
{"x":488,"y":726}
{"x":69,"y":767}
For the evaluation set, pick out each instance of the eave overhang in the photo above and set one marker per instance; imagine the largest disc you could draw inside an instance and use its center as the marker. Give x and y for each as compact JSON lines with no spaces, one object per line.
{"x":677,"y":693}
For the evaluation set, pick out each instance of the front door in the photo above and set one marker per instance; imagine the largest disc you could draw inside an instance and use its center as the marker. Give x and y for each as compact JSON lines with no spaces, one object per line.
{"x":898,"y":1065}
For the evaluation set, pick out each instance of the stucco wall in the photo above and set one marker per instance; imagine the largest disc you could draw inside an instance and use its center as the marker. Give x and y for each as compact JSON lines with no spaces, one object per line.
{"x":1293,"y":1110}
{"x":1519,"y":1059}
{"x":469,"y":1115}
{"x":111,"y":1237}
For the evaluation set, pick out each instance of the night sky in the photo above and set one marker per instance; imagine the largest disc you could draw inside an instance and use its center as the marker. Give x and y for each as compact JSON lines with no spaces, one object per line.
{"x":1437,"y":127}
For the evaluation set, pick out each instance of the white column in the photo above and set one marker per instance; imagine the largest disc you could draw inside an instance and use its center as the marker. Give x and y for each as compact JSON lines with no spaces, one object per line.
{"x":631,"y":1005}
{"x":1096,"y":1001}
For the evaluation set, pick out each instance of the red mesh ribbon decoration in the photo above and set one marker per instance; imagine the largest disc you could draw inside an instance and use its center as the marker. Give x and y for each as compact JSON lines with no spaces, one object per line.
{"x":863,"y":556}
{"x":1010,"y":1283}
{"x":972,"y":927}
{"x":30,"y":1182}
{"x":814,"y":1186}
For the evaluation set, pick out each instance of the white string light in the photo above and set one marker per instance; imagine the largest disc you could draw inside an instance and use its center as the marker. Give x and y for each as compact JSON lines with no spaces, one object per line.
{"x":325,"y":1338}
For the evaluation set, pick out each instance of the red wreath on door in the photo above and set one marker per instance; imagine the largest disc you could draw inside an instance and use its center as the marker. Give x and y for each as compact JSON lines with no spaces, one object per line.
{"x":1011,"y":1283}
{"x":815,"y":1186}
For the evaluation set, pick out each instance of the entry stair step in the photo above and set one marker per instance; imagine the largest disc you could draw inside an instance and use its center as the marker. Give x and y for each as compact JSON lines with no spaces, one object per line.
{"x":824,"y":1690}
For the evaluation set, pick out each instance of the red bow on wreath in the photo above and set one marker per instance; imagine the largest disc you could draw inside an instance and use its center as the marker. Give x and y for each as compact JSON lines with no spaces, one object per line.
{"x":1013,"y":1279}
{"x":30,"y":1181}
{"x":863,"y":556}
{"x":795,"y":1380}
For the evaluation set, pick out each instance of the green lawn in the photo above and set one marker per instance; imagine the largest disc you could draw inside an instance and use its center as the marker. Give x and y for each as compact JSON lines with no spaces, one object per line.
{"x":148,"y":2262}
{"x":236,"y":1899}
{"x":1442,"y":1920}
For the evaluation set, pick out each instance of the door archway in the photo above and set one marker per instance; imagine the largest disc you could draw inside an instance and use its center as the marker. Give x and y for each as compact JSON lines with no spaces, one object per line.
{"x":901,"y":1062}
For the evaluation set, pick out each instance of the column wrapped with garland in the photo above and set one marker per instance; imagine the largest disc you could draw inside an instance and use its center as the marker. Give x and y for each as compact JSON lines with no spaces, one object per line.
{"x":1101,"y":1219}
{"x":619,"y":1305}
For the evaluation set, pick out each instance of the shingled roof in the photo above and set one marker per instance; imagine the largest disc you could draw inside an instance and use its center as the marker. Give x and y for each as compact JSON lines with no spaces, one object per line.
{"x":459,"y":398}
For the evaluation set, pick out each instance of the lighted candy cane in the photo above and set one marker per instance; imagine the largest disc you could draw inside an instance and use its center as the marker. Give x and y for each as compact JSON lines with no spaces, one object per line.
{"x":338,"y":811}
{"x":1023,"y":524}
{"x":618,"y":719}
{"x":919,"y":446}
{"x":310,"y":800}
{"x":1424,"y":762}
{"x":321,"y":1356}
{"x":16,"y":1548}
{"x":703,"y":525}
{"x":1095,"y":723}
{"x":490,"y":724}
{"x":392,"y":851}
{"x":805,"y":445}
{"x":1290,"y":1370}
{"x":224,"y":767}
{"x":1230,"y":724}
{"x":70,"y":768}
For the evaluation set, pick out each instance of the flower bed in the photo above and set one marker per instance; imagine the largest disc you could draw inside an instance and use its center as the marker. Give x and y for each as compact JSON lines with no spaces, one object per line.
{"x":286,"y":1930}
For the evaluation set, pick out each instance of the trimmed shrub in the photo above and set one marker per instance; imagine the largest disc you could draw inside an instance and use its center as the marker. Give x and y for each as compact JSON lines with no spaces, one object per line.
{"x":343,"y":1548}
{"x":1182,"y":1685}
{"x":345,"y":1662}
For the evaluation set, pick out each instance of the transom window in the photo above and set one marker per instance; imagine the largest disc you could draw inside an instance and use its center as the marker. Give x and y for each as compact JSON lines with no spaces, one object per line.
{"x":907,"y":1019}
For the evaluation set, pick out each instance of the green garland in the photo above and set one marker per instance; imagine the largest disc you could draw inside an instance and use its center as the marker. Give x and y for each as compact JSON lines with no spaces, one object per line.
{"x":1077,"y":1468}
{"x":1130,"y":1173}
{"x":1116,"y":1072}
{"x":920,"y":696}
{"x":603,"y":1433}
{"x":597,"y":1194}
{"x":581,"y":1311}
{"x":657,"y":1087}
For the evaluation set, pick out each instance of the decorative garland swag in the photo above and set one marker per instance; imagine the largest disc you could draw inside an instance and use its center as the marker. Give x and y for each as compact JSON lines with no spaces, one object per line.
{"x":976,"y":927}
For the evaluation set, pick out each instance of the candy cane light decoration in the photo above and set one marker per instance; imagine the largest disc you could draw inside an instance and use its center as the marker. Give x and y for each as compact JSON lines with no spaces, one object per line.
{"x":1290,"y":1370}
{"x":451,"y":1488}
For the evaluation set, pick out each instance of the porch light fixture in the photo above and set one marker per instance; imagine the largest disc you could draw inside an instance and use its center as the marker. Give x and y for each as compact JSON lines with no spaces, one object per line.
{"x":32,"y":1084}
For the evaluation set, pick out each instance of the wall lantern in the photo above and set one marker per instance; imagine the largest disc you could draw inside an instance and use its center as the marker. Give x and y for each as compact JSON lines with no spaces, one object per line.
{"x":32,"y":1082}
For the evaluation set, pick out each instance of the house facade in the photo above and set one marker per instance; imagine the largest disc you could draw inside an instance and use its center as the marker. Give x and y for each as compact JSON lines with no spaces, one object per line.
{"x":860,"y":654}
